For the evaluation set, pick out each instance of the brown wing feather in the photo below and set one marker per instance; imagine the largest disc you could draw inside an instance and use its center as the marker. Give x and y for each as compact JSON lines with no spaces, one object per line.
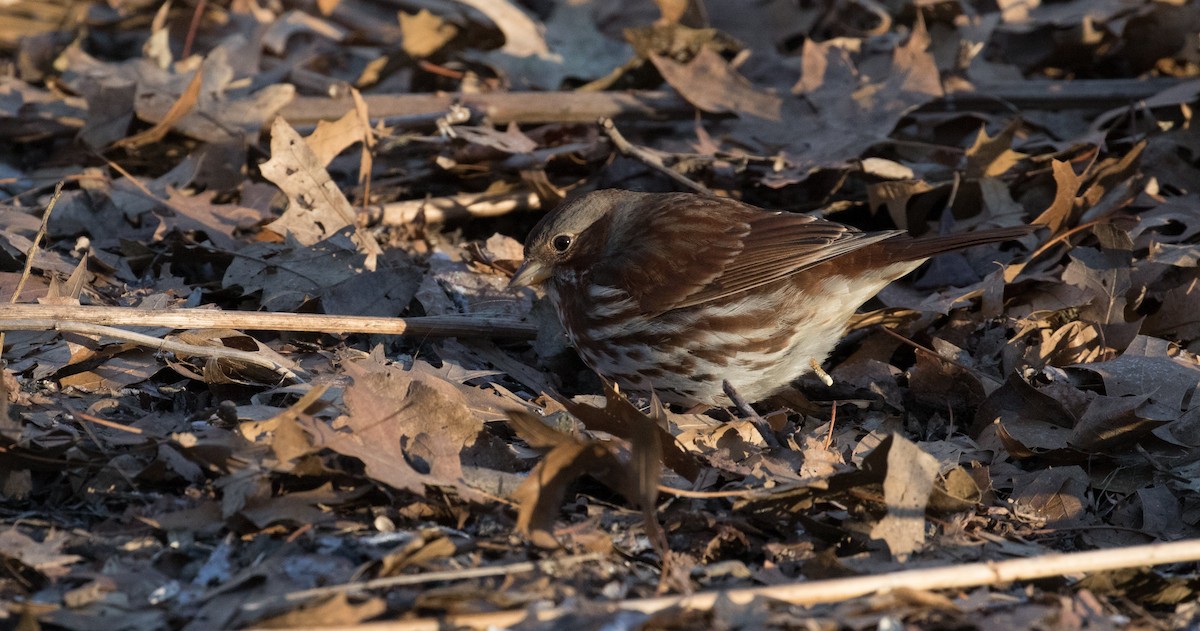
{"x":717,"y":248}
{"x":779,"y":245}
{"x":695,"y":239}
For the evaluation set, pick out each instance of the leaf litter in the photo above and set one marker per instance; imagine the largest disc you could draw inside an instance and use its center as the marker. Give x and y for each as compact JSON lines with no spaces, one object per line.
{"x":998,"y":404}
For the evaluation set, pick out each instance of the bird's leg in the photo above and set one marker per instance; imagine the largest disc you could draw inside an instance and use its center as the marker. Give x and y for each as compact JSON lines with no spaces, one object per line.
{"x":759,"y":422}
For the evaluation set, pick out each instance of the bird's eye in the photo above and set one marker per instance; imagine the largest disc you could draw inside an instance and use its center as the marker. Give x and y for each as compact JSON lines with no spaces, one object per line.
{"x":561,"y":242}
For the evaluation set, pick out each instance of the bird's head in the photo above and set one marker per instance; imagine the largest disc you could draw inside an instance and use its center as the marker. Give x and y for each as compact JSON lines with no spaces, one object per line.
{"x":573,"y":236}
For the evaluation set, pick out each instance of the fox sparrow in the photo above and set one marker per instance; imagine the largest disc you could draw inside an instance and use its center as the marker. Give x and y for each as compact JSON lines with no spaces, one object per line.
{"x":678,"y":292}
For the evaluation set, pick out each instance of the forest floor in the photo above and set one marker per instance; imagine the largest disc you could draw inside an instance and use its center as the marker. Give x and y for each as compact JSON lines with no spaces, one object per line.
{"x":262,"y":368}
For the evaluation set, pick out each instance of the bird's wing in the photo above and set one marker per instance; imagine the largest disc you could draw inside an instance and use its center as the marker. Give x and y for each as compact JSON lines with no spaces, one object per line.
{"x":683,"y":251}
{"x":672,"y":247}
{"x":781,"y":244}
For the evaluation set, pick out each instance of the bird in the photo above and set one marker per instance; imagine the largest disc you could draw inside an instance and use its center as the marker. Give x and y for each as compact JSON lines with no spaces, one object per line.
{"x":685,"y":295}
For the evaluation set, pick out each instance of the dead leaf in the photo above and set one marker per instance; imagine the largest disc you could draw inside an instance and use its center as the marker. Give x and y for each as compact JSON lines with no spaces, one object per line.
{"x":541,"y":495}
{"x":1028,"y":421}
{"x":1059,"y":214}
{"x":332,"y":270}
{"x":634,"y":473}
{"x":712,"y":85}
{"x":317,"y":209}
{"x":992,"y":157}
{"x":218,"y":222}
{"x":620,"y":418}
{"x":541,"y":56}
{"x":510,"y":140}
{"x":185,"y":104}
{"x":955,"y":491}
{"x":1147,"y":369}
{"x":1113,"y":424}
{"x":1052,"y":497}
{"x":331,"y":138}
{"x":407,"y":432}
{"x":425,"y":33}
{"x":44,"y":556}
{"x":906,"y":488}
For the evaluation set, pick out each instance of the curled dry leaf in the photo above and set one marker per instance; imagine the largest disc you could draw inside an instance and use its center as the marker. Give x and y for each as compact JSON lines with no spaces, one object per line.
{"x":331,"y":138}
{"x":992,"y":156}
{"x":621,"y":418}
{"x":223,"y":370}
{"x":1107,"y":185}
{"x":541,"y":494}
{"x":633,"y":469}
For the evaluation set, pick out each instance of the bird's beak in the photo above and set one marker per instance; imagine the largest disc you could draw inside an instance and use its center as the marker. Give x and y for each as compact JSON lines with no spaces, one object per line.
{"x":530,"y":274}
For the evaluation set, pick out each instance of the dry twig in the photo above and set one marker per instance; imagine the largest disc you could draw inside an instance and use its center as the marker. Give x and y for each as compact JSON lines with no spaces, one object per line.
{"x":549,"y":567}
{"x":649,"y":158}
{"x":149,"y":341}
{"x":836,"y":590}
{"x":33,"y":250}
{"x":585,"y":107}
{"x":36,"y":245}
{"x":427,"y":326}
{"x":453,"y":207}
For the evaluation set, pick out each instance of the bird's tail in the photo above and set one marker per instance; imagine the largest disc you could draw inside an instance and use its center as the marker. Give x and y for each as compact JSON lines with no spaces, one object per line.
{"x":914,"y":248}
